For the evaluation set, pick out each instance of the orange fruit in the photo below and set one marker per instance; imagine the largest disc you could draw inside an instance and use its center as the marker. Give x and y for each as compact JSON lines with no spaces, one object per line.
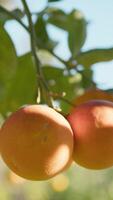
{"x":92,"y":125}
{"x":36,"y":142}
{"x":93,"y":94}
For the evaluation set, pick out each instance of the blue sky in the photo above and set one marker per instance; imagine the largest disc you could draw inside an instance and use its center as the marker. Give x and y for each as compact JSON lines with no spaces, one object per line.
{"x":99,"y":14}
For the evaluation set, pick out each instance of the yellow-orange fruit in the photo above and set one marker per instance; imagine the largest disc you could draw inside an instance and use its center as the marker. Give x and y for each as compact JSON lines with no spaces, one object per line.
{"x":92,"y":125}
{"x":36,"y":142}
{"x":93,"y":94}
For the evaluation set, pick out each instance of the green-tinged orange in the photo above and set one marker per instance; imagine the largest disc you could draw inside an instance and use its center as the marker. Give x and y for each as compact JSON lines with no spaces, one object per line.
{"x":92,"y":125}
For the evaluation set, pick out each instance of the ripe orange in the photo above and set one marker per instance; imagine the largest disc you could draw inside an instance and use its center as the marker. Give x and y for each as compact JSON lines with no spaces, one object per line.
{"x":93,"y":94}
{"x":92,"y":124}
{"x":36,"y":142}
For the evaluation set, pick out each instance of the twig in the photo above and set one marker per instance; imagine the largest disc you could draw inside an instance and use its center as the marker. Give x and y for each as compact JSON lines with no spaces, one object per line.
{"x":41,"y":80}
{"x":61,"y":60}
{"x":14,"y":17}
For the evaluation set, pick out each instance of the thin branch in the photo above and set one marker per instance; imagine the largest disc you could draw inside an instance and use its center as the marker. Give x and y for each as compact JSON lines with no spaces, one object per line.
{"x":32,"y":36}
{"x":14,"y":17}
{"x":34,"y":51}
{"x":61,"y":60}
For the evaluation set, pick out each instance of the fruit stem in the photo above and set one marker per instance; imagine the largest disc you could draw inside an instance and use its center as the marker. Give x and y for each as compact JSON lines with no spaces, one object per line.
{"x":61,"y":97}
{"x":41,"y":80}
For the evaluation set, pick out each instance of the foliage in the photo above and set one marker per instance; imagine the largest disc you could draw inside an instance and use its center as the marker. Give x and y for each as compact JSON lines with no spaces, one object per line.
{"x":18,"y":84}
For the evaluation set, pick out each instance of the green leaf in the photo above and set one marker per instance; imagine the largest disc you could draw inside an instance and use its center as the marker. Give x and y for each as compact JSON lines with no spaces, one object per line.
{"x":8,"y":15}
{"x":24,"y":85}
{"x":42,"y":36}
{"x":56,"y":79}
{"x":8,"y":66}
{"x":87,"y":76}
{"x":77,"y":32}
{"x":59,"y":82}
{"x":93,"y":56}
{"x":58,"y":18}
{"x":74,"y":23}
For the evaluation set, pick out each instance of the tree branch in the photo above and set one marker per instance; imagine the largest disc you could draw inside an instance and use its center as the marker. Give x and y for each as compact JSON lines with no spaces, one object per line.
{"x":14,"y":17}
{"x":41,"y":80}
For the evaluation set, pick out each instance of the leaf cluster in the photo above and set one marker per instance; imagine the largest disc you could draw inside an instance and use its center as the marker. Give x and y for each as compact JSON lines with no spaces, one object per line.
{"x":18,"y":76}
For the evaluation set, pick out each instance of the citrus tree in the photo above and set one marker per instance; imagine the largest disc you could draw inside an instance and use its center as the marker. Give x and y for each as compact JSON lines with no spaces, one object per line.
{"x":62,"y":85}
{"x":29,"y":79}
{"x":38,"y":142}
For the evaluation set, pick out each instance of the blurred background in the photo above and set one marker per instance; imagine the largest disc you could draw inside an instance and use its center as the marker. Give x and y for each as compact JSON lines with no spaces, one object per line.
{"x":77,"y":183}
{"x":99,"y":15}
